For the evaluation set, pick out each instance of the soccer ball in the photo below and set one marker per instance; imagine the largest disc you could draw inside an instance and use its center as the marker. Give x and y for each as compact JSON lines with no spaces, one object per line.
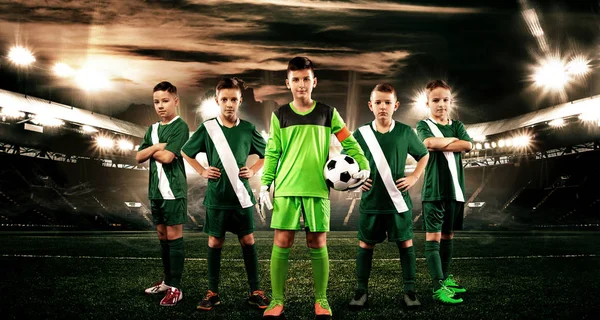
{"x":338,"y":172}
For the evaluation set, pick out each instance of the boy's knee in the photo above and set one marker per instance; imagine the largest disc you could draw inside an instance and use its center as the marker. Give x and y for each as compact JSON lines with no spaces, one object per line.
{"x":365,"y":245}
{"x":247,"y":240}
{"x":316,"y":240}
{"x":215,"y":242}
{"x":447,"y":236}
{"x":405,"y":244}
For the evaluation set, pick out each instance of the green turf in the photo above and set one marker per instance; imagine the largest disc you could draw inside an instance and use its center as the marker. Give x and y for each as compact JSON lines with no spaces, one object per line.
{"x":80,"y":284}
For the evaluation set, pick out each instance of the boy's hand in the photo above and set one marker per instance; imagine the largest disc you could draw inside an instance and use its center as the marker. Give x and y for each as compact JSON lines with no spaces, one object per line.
{"x":361,"y":176}
{"x":367,"y":185}
{"x":406,"y":183}
{"x":211,"y":173}
{"x":246,"y":173}
{"x":265,"y":199}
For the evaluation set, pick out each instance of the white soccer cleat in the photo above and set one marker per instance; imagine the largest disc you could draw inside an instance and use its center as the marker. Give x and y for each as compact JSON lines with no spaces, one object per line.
{"x":157,"y":288}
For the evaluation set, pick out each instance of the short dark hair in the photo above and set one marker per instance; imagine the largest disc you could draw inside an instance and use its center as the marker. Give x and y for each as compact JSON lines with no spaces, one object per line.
{"x":300,"y":63}
{"x":231,"y":83}
{"x":432,"y":85}
{"x":165,"y":86}
{"x":385,"y":87}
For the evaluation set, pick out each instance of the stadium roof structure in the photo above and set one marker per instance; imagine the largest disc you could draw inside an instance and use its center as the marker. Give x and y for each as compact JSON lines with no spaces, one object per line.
{"x":37,"y":106}
{"x":589,"y":105}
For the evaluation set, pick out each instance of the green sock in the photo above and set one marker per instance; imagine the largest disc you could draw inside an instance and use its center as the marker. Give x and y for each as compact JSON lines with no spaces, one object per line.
{"x":165,"y":257}
{"x":446,"y":248}
{"x":364,"y":262}
{"x":177,"y":257}
{"x":320,"y":266}
{"x":214,"y":268}
{"x":408,"y":261}
{"x":279,"y":270}
{"x":434,"y":263}
{"x":251,"y":264}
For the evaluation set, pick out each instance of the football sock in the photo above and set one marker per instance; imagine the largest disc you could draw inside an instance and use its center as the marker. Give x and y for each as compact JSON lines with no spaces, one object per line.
{"x":279,"y":270}
{"x":251,"y":264}
{"x":408,"y":261}
{"x":166,"y":260}
{"x":214,"y":268}
{"x":320,"y":266}
{"x":177,"y":257}
{"x":446,"y":248}
{"x":364,"y":262}
{"x":434,"y":263}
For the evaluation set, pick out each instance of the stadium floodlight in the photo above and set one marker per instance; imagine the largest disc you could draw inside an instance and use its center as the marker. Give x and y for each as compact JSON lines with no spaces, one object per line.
{"x":420,"y":100}
{"x":501,"y":143}
{"x":578,"y":66}
{"x":478,"y":146}
{"x":486,"y":145}
{"x":557,"y":123}
{"x":104,"y":142}
{"x":509,"y":142}
{"x":551,"y":74}
{"x":20,"y":56}
{"x":89,"y":129}
{"x":90,"y":79}
{"x":209,"y":108}
{"x":63,"y":70}
{"x":521,"y":141}
{"x":47,"y":121}
{"x":125,"y":145}
{"x":11,"y":113}
{"x":479,"y":138}
{"x":494,"y":144}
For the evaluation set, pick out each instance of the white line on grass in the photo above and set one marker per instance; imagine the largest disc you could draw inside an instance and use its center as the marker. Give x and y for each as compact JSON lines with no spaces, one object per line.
{"x":591,"y":255}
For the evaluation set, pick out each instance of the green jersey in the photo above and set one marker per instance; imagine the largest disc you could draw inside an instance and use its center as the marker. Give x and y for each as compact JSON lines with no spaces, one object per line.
{"x":443,"y":182}
{"x":298,"y":149}
{"x":395,"y":145}
{"x":167,"y":181}
{"x":243,"y":140}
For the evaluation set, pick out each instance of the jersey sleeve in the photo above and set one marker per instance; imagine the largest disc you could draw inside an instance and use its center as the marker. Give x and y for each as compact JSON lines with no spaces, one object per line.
{"x":272,"y":152}
{"x":258,"y":144}
{"x":353,"y":149}
{"x":178,"y":139}
{"x":147,"y":141}
{"x":416,"y":148}
{"x":461,"y":132}
{"x":423,"y":131}
{"x":196,"y":143}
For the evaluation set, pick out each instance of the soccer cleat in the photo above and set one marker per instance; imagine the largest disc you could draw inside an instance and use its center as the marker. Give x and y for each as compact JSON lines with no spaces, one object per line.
{"x":257,"y":298}
{"x":445,"y":295}
{"x":274,"y":311}
{"x":210,"y":300}
{"x":322,"y":310}
{"x":360,"y":300}
{"x":171,"y":298}
{"x":158,"y":287}
{"x":452,"y":285}
{"x":411,"y":300}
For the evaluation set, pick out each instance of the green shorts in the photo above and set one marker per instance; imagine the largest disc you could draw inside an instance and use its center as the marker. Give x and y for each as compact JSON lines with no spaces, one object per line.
{"x":374,"y":228}
{"x":169,"y":212}
{"x":237,"y":221}
{"x":444,"y":215}
{"x":287,"y":212}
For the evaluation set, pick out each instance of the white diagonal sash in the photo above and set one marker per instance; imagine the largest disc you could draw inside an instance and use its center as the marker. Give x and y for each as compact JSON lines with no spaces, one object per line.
{"x":163,"y":182}
{"x":383,"y":168}
{"x":460,"y":196}
{"x":229,"y":163}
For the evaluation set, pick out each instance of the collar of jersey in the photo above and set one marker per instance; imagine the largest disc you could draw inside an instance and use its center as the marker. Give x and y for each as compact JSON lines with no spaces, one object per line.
{"x":221,"y":122}
{"x":304,"y":113}
{"x":164,"y":124}
{"x":373,"y":124}
{"x":449,"y":121}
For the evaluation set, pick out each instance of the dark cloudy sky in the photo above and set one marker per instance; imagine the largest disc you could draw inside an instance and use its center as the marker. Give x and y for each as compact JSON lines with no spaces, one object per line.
{"x":483,"y":48}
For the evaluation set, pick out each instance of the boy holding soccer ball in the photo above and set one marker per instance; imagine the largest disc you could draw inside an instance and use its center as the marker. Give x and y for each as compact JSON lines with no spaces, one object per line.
{"x":295,"y":156}
{"x":385,"y":206}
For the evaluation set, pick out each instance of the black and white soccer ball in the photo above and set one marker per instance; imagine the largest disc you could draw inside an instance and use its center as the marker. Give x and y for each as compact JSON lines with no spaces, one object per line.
{"x":339,"y":171}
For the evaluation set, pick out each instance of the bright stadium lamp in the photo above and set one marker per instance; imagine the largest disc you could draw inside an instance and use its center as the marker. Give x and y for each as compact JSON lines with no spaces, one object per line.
{"x":478,"y":146}
{"x":578,"y":66}
{"x":557,"y":123}
{"x":420,"y":100}
{"x":494,"y":144}
{"x":501,"y":143}
{"x":63,"y":70}
{"x":89,"y":129}
{"x":521,"y":141}
{"x":486,"y":145}
{"x":509,"y":142}
{"x":20,"y":56}
{"x":125,"y":145}
{"x":209,"y":108}
{"x":11,"y":113}
{"x":551,"y":74}
{"x":104,"y":143}
{"x":90,"y":79}
{"x":47,"y":121}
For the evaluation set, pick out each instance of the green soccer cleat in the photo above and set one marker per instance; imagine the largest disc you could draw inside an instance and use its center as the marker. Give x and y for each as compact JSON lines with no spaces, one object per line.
{"x":446,"y":296}
{"x":274,"y":311}
{"x":452,"y":285}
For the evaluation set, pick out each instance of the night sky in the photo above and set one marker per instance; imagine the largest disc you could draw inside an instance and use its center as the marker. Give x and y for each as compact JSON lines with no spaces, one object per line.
{"x":484,"y":49}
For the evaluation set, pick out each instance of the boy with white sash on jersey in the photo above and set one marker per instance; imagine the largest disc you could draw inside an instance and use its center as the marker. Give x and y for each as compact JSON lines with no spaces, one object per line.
{"x":443,"y":193}
{"x":167,"y":190}
{"x":385,"y":206}
{"x":227,"y":141}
